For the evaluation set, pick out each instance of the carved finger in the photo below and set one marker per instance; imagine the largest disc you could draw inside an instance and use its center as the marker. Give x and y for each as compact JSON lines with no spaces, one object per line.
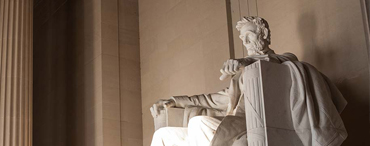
{"x":224,"y":66}
{"x":231,"y":67}
{"x":156,"y":110}
{"x":227,"y":67}
{"x":152,"y":112}
{"x":171,"y":103}
{"x":167,"y":105}
{"x":236,"y":66}
{"x":223,"y":77}
{"x":223,"y":72}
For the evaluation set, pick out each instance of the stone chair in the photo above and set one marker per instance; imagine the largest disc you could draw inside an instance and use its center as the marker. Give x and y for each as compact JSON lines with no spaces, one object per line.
{"x":267,"y":108}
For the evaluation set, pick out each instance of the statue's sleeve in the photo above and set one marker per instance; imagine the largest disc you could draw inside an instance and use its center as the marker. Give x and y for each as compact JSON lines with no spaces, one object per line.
{"x":227,"y":98}
{"x":282,"y":58}
{"x":339,"y":101}
{"x":214,"y":100}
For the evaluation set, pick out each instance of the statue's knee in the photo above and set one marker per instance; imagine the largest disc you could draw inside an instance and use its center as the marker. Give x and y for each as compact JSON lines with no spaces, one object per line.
{"x":196,"y":121}
{"x":160,"y":132}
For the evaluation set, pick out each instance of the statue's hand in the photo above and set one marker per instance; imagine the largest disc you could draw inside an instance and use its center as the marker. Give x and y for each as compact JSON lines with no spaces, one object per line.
{"x":232,"y":66}
{"x":160,"y":105}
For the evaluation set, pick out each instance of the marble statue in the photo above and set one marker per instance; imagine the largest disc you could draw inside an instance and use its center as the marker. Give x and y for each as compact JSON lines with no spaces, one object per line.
{"x":232,"y":116}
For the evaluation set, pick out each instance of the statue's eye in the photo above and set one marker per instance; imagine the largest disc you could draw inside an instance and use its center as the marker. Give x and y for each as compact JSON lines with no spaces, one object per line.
{"x":246,"y":39}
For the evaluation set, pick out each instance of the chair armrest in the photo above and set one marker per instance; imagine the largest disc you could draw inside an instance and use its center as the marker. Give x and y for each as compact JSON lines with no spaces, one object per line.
{"x":170,"y":117}
{"x":175,"y":117}
{"x":192,"y":111}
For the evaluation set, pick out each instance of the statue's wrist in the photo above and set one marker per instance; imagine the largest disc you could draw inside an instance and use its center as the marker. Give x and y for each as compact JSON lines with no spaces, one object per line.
{"x":246,"y":61}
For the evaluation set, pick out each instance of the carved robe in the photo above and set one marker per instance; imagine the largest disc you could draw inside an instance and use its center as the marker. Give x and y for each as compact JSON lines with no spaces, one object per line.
{"x":315,"y":106}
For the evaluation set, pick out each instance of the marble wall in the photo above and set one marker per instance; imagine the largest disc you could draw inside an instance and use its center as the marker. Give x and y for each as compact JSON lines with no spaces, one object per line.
{"x":329,"y":35}
{"x":16,"y":84}
{"x":122,"y":124}
{"x":94,"y":86}
{"x":130,"y":76}
{"x":87,"y":70}
{"x":183,"y":44}
{"x":67,"y":73}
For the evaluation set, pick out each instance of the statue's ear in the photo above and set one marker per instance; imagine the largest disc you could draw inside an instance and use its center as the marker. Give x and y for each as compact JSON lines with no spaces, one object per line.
{"x":265,"y":33}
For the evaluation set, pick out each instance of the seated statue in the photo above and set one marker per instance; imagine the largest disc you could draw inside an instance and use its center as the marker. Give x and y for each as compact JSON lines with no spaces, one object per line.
{"x":315,"y":101}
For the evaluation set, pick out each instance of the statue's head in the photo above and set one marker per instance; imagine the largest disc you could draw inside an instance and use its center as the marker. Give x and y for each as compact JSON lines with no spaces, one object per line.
{"x":255,"y":34}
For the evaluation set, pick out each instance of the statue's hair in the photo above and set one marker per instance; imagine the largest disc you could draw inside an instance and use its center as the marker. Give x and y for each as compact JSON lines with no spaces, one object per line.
{"x":261,"y":23}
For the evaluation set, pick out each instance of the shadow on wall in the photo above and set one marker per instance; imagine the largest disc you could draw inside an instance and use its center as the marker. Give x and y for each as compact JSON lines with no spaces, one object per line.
{"x":63,"y":107}
{"x":75,"y":98}
{"x":327,"y":56}
{"x":82,"y":100}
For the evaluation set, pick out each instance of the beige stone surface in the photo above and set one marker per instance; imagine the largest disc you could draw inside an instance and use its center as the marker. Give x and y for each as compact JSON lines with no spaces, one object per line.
{"x":87,"y":55}
{"x":183,"y":44}
{"x":111,"y":132}
{"x":330,"y":36}
{"x":16,"y":73}
{"x":129,"y":73}
{"x":121,"y":72}
{"x":131,"y":134}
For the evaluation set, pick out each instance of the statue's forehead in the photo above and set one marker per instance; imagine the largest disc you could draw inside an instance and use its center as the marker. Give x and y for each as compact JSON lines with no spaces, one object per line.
{"x":248,"y":27}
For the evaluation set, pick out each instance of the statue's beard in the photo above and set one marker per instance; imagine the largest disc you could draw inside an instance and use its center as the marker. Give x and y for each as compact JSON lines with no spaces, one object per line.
{"x":256,"y":47}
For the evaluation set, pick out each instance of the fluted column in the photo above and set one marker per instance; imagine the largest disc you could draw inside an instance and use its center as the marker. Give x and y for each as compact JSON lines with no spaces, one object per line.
{"x":16,"y":72}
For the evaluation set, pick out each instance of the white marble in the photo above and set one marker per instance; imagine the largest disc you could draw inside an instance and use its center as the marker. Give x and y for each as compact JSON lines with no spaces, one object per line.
{"x":272,"y":100}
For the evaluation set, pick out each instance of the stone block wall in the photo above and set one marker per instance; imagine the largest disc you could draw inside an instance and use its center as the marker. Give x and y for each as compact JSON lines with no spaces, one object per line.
{"x":183,"y":44}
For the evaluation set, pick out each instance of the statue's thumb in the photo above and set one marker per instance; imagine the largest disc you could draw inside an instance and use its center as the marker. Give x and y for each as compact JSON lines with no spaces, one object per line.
{"x":223,"y":77}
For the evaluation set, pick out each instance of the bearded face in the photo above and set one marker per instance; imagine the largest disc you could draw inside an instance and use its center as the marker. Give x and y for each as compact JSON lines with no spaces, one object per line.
{"x":252,"y":39}
{"x":254,"y":45}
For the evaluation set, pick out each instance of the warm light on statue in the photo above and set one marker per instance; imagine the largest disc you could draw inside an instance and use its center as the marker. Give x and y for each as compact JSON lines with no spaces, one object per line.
{"x":263,"y":85}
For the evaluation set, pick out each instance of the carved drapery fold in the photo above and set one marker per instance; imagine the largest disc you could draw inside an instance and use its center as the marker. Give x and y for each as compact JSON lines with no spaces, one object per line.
{"x":16,"y":72}
{"x":253,"y":105}
{"x":267,"y":89}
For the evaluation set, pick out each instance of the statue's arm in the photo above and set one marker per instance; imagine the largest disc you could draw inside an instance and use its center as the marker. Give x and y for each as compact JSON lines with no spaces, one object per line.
{"x":214,"y":100}
{"x":222,"y":100}
{"x":217,"y":101}
{"x":232,"y":66}
{"x":277,"y":58}
{"x":282,"y":58}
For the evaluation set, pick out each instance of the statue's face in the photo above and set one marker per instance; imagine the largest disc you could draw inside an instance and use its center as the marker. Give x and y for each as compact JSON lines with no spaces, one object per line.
{"x":252,"y":39}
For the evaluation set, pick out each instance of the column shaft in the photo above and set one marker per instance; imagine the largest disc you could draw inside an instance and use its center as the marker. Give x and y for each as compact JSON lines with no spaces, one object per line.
{"x":16,"y":72}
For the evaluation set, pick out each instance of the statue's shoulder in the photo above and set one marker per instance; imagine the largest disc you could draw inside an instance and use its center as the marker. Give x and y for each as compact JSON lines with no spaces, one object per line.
{"x":285,"y":57}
